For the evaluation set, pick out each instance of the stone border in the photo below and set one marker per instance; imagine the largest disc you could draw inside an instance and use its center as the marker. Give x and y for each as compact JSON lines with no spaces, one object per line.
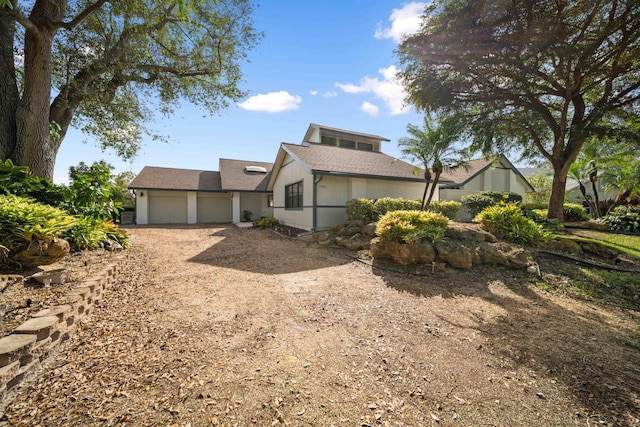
{"x":24,"y":350}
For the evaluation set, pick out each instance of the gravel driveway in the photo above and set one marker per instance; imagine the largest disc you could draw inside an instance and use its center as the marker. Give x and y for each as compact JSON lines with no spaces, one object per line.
{"x":226,"y":326}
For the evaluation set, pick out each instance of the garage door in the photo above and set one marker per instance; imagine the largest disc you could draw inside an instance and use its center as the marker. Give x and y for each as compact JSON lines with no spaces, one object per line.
{"x":167,"y":207}
{"x":214,"y":207}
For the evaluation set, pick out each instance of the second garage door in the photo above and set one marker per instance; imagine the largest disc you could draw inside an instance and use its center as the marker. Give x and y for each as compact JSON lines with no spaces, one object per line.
{"x":214,"y":207}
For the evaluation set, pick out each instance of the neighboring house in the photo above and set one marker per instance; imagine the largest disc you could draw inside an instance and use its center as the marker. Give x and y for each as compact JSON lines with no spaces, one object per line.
{"x":313,"y":181}
{"x":497,"y":175}
{"x":186,"y":196}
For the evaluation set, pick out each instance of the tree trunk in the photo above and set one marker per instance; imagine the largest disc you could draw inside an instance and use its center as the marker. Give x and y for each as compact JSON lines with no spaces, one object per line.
{"x":427,"y":178}
{"x":424,"y":194}
{"x":34,"y":147}
{"x":556,"y":200}
{"x":433,"y":188}
{"x":8,"y":87}
{"x":596,"y":199}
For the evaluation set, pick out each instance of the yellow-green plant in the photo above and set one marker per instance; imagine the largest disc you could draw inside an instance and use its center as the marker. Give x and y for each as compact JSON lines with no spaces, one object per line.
{"x":412,"y":226}
{"x":506,"y":221}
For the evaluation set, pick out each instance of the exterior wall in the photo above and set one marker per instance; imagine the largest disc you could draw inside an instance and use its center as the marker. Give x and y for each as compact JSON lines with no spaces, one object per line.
{"x":315,"y":136}
{"x":192,"y":207}
{"x":498,"y":180}
{"x":292,"y":172}
{"x":256,"y":203}
{"x":142,"y":207}
{"x":235,"y":207}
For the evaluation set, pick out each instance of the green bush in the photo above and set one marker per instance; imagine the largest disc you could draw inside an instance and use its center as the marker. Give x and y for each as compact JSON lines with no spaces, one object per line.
{"x":267,"y":222}
{"x":412,"y":226}
{"x":476,"y":203}
{"x":388,"y":204}
{"x":19,"y":181}
{"x":92,"y":233}
{"x":507,"y":221}
{"x":448,"y":208}
{"x":23,"y":220}
{"x":574,"y":212}
{"x":623,"y":218}
{"x":363,"y":209}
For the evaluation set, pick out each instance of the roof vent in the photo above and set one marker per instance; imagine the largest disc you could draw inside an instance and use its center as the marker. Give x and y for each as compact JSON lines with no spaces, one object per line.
{"x":255,"y":169}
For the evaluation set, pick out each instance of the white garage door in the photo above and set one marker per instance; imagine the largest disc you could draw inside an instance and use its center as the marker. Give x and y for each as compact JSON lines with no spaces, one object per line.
{"x":214,"y":207}
{"x":167,"y":207}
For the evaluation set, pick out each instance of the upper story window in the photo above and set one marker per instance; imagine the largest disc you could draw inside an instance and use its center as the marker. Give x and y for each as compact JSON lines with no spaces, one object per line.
{"x":365,"y":146}
{"x":293,"y":195}
{"x":329,"y":140}
{"x":346,"y":143}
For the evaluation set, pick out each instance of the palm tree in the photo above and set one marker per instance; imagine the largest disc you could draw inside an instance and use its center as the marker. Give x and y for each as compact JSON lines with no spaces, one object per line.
{"x":433,"y":147}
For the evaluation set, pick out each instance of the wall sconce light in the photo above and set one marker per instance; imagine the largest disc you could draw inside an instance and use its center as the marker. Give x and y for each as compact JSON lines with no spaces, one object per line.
{"x":142,"y":194}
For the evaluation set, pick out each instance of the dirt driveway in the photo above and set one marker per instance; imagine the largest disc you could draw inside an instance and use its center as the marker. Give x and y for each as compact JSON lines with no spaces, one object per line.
{"x":226,"y":326}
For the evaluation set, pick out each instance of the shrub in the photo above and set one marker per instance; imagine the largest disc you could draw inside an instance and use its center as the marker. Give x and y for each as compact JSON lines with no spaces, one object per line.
{"x":388,"y":204}
{"x":23,"y":220}
{"x":91,"y":233}
{"x":266,"y":222}
{"x":574,"y":212}
{"x":448,"y":208}
{"x":19,"y":181}
{"x":363,"y":209}
{"x":411,"y":226}
{"x":623,"y":218}
{"x":506,"y":221}
{"x":476,"y":203}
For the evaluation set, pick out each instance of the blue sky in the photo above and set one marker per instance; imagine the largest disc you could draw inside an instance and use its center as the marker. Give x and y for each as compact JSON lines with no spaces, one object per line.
{"x":328,"y":62}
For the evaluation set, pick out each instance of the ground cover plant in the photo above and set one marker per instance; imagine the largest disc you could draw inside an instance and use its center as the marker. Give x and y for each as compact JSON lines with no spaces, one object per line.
{"x":506,"y":221}
{"x":412,"y":226}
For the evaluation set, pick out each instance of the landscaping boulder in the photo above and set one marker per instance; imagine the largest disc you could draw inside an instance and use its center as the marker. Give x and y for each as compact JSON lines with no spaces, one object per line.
{"x":564,"y":245}
{"x":598,"y":249}
{"x":354,"y":243}
{"x":39,"y":253}
{"x":455,"y":253}
{"x":403,"y":253}
{"x":370,"y":229}
{"x":466,"y":233}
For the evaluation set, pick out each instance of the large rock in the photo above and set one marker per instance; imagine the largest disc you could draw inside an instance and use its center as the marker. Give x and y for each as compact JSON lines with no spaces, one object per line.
{"x":42,"y":253}
{"x":598,"y":249}
{"x":355,"y":243}
{"x":403,"y":253}
{"x":466,"y":233}
{"x":566,"y":245}
{"x":455,"y":253}
{"x":370,"y":229}
{"x":500,"y":254}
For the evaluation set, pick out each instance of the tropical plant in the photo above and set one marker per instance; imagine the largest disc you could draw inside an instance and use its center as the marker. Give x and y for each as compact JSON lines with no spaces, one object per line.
{"x":448,"y":208}
{"x":111,"y":58}
{"x":506,"y":221}
{"x":540,"y":77}
{"x":412,"y":226}
{"x":434,"y":148}
{"x":91,"y":191}
{"x":623,"y":218}
{"x":477,"y":202}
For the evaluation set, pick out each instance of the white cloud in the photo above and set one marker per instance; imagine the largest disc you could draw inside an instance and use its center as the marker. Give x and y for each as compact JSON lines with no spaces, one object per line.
{"x":388,"y":89}
{"x":330,"y":94}
{"x":272,"y":102}
{"x":404,"y":21}
{"x":370,"y":109}
{"x":313,"y":92}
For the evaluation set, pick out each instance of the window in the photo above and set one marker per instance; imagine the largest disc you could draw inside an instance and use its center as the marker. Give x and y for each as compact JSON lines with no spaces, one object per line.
{"x":345,"y":143}
{"x":329,"y":140}
{"x":293,"y":196}
{"x":365,"y":146}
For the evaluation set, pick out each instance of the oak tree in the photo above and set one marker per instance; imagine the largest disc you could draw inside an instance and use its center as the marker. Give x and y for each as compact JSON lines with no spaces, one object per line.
{"x":104,"y":66}
{"x":541,"y":76}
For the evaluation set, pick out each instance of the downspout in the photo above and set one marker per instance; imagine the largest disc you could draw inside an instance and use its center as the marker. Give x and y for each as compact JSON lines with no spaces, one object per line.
{"x":316,"y":180}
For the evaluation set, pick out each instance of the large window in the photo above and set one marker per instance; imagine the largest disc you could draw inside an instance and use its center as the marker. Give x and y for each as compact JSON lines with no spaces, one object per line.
{"x":293,"y":196}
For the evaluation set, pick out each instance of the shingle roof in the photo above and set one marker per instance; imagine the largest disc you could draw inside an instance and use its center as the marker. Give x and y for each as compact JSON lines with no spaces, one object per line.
{"x":343,"y":161}
{"x":234,"y":177}
{"x":158,"y":178}
{"x":461,"y":175}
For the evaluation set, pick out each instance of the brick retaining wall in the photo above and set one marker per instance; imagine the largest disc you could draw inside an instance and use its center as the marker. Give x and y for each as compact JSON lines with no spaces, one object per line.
{"x":31,"y":342}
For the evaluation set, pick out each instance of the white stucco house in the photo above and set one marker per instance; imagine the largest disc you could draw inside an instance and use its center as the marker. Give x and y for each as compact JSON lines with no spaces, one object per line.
{"x":307,"y":187}
{"x":497,"y":174}
{"x":313,"y":181}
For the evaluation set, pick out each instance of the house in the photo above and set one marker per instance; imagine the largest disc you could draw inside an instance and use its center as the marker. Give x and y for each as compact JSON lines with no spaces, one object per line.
{"x":186,"y":196}
{"x":307,"y":187}
{"x":313,"y":181}
{"x":497,"y":174}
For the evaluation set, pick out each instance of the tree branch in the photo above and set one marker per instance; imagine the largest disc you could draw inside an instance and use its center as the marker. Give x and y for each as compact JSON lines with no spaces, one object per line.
{"x":81,"y":16}
{"x":17,"y":14}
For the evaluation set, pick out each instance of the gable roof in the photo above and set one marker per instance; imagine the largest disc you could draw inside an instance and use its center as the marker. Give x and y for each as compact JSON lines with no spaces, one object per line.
{"x":158,"y":178}
{"x":236,"y":178}
{"x":342,"y":131}
{"x":461,"y":176}
{"x":330,"y":160}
